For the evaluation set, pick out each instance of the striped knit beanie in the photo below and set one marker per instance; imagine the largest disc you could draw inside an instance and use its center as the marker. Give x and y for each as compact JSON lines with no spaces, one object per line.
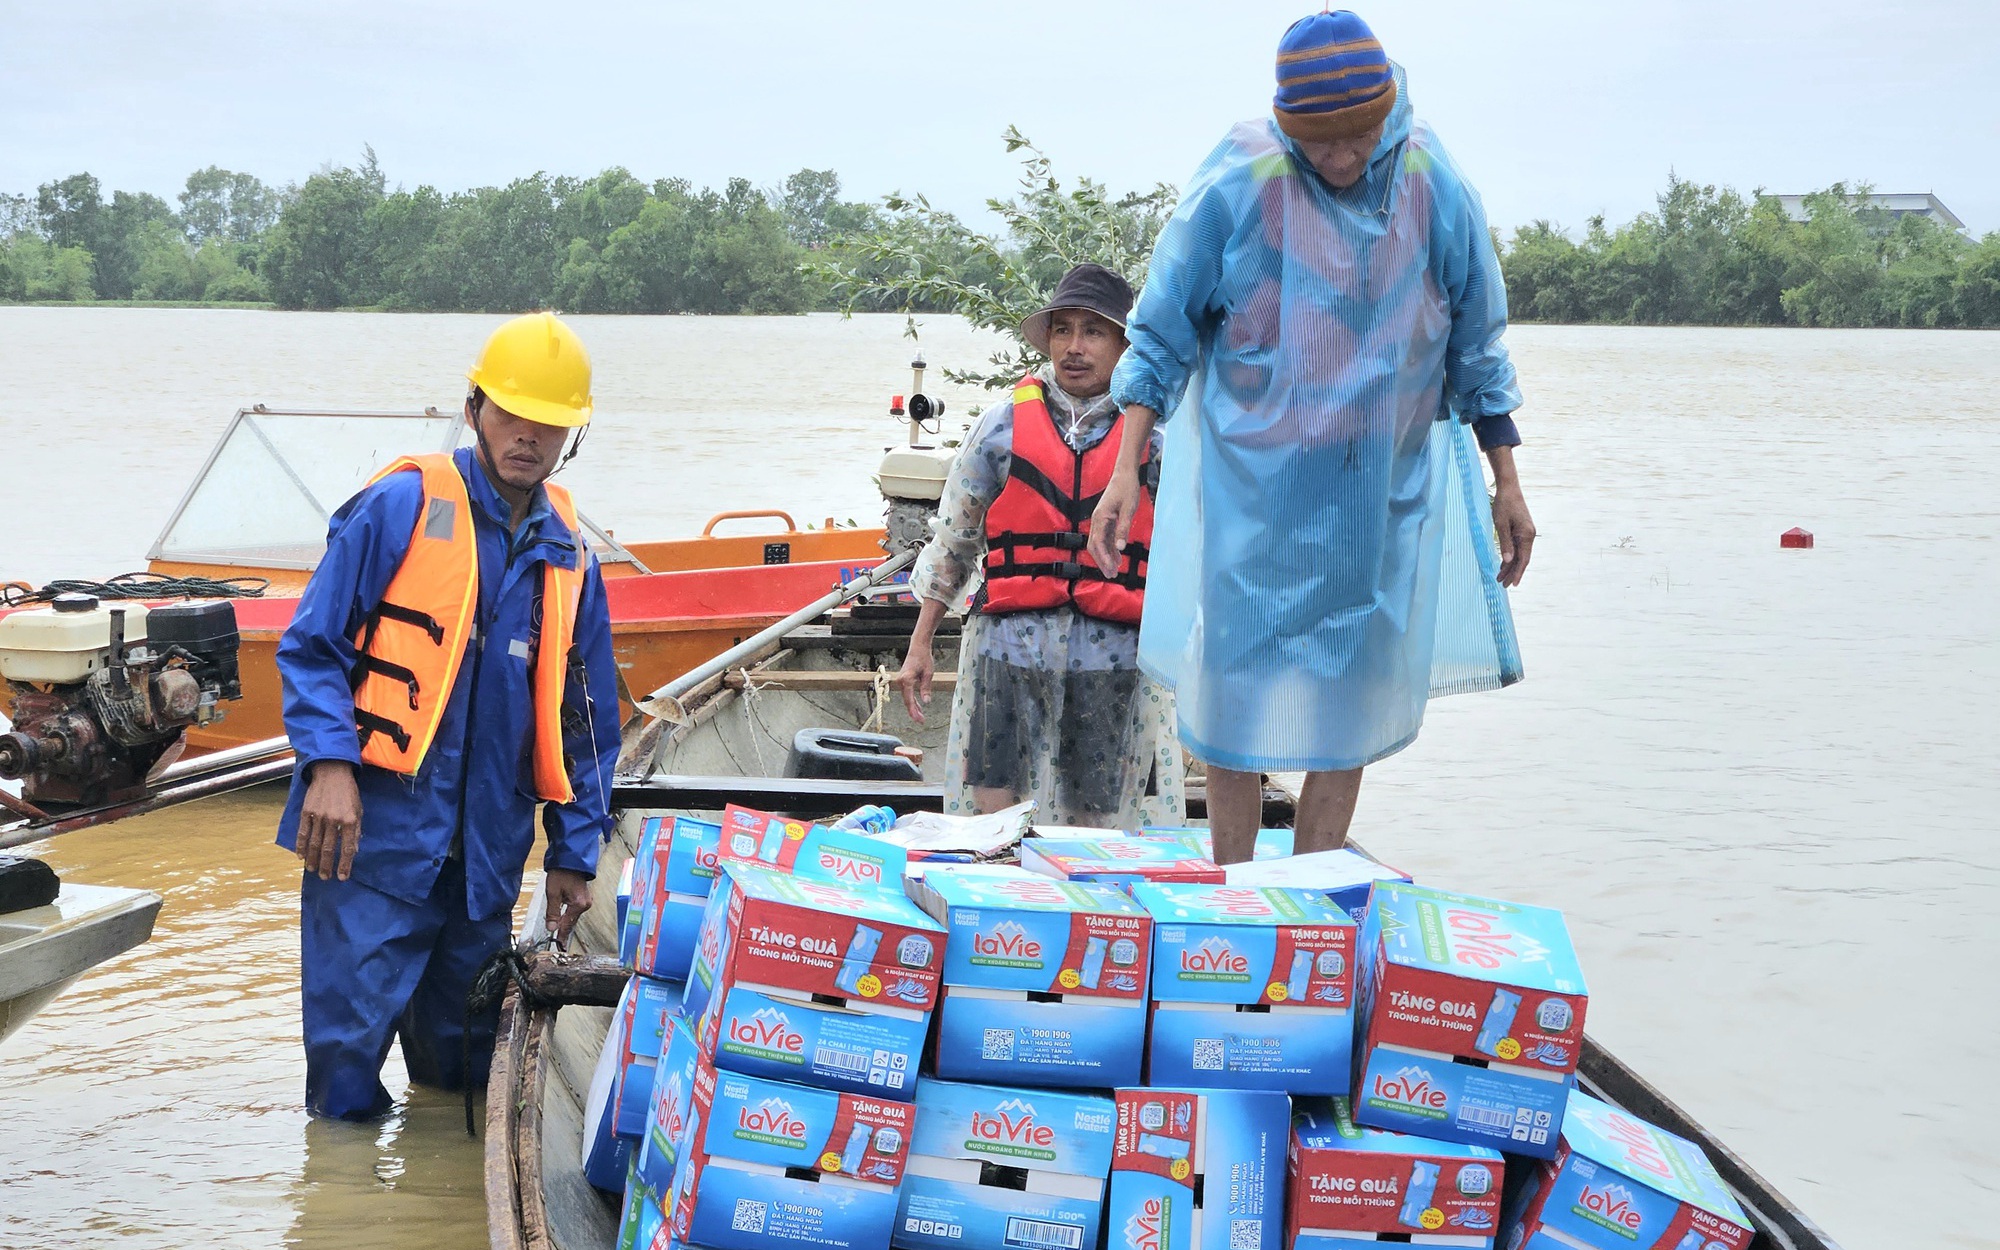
{"x":1333,"y":78}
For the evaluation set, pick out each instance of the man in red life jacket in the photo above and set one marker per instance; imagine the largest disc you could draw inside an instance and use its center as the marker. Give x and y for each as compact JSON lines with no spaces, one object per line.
{"x":1050,"y":704}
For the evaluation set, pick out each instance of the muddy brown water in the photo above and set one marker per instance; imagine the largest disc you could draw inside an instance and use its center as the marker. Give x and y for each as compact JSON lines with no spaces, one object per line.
{"x":1759,"y":782}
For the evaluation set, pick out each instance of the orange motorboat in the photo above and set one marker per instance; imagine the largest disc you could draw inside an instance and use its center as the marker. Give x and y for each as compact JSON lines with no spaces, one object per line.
{"x":259,"y":509}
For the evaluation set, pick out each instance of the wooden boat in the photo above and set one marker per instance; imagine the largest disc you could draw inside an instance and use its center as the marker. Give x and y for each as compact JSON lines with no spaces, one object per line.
{"x":258,"y":509}
{"x":43,"y":949}
{"x":731,"y":744}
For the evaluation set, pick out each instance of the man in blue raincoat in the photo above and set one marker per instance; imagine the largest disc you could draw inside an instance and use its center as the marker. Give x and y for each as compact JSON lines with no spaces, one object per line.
{"x":1323,"y":320}
{"x":449,"y":667}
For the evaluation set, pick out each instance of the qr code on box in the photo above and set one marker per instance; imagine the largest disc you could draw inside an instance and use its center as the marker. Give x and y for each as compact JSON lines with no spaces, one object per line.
{"x":998,"y":1045}
{"x":1208,"y":1057}
{"x":749,"y":1216}
{"x":1246,"y":1235}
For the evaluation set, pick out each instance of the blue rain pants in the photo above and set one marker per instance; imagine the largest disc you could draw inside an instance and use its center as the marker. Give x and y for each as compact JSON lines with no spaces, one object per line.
{"x":374,"y":968}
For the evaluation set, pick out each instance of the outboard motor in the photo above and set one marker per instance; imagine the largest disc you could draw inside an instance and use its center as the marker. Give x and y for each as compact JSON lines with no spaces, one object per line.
{"x":100,"y":694}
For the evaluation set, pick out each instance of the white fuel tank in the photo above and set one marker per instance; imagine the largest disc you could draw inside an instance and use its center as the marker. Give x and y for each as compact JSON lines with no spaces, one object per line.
{"x":62,"y":647}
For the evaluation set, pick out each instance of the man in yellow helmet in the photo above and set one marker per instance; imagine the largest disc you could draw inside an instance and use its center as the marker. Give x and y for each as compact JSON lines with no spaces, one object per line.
{"x":448,"y":669}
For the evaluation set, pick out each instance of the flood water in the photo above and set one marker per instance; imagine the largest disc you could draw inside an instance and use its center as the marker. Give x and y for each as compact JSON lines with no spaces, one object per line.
{"x":1760,"y":782}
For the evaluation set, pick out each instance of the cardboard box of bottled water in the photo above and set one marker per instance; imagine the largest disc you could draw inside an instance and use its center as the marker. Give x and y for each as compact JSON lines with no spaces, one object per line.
{"x":1119,"y":861}
{"x":1344,"y":875}
{"x":676,"y":871}
{"x":1270,"y":844}
{"x":1350,"y":1185}
{"x":1472,"y":1019}
{"x":639,"y":1218}
{"x":1253,"y":988}
{"x":867,"y":1047}
{"x":804,"y":979}
{"x":641,"y":1027}
{"x":1198,"y":1170}
{"x":667,"y":1110}
{"x":839,"y":855}
{"x":1044,"y":980}
{"x":1618,"y":1181}
{"x":992,"y":1166}
{"x":770,"y":1164}
{"x":606,"y":1157}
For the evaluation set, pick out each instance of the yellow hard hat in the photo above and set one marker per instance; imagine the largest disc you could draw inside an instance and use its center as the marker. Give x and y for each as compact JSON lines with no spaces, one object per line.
{"x":535,"y":367}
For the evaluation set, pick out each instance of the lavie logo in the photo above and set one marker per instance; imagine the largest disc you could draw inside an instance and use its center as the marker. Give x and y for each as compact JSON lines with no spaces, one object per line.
{"x":707,"y":860}
{"x":772,"y":1118}
{"x":769,"y":1029}
{"x":1214,"y":955}
{"x":847,"y":868}
{"x":1641,"y":1151}
{"x":1410,"y":1086}
{"x":673,"y":1108}
{"x":1012,"y":1123}
{"x":1008,"y":941}
{"x":1147,"y":1229}
{"x":1478,"y":939}
{"x":1613,"y":1205}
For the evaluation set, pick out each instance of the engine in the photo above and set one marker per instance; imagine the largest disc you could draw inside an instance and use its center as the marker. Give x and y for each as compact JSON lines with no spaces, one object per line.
{"x":99,"y":694}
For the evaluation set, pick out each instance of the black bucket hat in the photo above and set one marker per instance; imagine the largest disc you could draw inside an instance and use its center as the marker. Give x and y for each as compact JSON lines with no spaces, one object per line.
{"x":1093,"y":288}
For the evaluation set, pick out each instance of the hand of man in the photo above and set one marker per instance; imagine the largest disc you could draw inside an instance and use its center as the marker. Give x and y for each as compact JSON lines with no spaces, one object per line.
{"x":1111,"y":524}
{"x":330,"y":820}
{"x":1516,"y":531}
{"x":566,"y":897}
{"x":919,"y":668}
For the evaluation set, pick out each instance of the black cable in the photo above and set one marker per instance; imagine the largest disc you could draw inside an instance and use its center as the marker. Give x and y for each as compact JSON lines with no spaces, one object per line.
{"x":137,"y":586}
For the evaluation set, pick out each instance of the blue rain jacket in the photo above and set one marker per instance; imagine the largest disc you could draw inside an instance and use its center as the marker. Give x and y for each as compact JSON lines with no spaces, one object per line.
{"x":477,"y":779}
{"x":1323,"y":557}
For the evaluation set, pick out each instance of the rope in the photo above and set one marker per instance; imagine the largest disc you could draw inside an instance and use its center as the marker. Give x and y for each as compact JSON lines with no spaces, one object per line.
{"x":882,"y":679}
{"x":137,"y":586}
{"x":752,"y":695}
{"x":489,"y":986}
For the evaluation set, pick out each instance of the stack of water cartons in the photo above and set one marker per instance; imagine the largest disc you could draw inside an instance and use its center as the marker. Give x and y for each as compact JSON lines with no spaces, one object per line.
{"x":1043,"y":1013}
{"x":1123,"y":1046}
{"x":666,"y":883}
{"x":783,"y":1110}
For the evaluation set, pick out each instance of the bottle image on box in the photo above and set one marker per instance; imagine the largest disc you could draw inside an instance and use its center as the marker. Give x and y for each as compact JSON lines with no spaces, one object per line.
{"x":1164,"y":1147}
{"x":857,"y":1148}
{"x":1093,"y":962}
{"x":1417,"y":1195}
{"x":1499,"y":1021}
{"x":1302,"y":970}
{"x":861,"y":950}
{"x":1692,"y":1241}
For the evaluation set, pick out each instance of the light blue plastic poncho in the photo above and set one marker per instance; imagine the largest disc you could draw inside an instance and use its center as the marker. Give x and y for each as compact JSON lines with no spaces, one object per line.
{"x":1323,"y":556}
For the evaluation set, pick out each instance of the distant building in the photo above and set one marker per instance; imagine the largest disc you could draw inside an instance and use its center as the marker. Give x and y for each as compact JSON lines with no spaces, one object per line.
{"x":1922,"y":204}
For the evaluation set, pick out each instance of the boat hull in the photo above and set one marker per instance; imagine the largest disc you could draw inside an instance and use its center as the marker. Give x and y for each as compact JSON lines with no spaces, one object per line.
{"x":44,"y":949}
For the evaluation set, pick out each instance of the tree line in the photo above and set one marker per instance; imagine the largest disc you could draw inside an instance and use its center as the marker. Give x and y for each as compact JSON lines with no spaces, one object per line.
{"x":615,"y":243}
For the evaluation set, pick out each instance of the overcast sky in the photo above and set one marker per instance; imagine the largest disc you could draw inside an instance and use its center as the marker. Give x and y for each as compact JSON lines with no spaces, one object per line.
{"x":1556,"y":108}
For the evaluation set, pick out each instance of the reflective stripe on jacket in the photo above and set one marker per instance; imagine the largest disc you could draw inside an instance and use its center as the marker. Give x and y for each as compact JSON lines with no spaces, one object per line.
{"x":410,"y":646}
{"x":1038,"y":527}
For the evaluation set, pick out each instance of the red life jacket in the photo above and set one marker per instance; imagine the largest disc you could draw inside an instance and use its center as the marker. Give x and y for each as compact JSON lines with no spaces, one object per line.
{"x":1038,"y":527}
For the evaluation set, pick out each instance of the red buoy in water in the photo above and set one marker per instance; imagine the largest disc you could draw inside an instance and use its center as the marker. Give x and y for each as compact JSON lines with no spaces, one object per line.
{"x":1796,"y":537}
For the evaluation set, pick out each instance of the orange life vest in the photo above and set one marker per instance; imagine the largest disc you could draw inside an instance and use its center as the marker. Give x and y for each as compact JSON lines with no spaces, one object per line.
{"x":411,"y":646}
{"x":1038,"y":527}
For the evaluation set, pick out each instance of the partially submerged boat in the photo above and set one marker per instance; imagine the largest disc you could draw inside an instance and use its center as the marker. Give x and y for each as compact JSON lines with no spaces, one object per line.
{"x":731,"y":743}
{"x":255,"y":519}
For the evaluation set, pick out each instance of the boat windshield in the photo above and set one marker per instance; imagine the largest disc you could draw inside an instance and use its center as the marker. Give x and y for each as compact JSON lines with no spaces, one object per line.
{"x":276,"y":478}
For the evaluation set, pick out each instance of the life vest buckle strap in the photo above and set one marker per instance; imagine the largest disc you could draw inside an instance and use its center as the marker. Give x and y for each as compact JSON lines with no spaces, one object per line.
{"x":367,"y":724}
{"x":386,"y":611}
{"x":365,"y":664}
